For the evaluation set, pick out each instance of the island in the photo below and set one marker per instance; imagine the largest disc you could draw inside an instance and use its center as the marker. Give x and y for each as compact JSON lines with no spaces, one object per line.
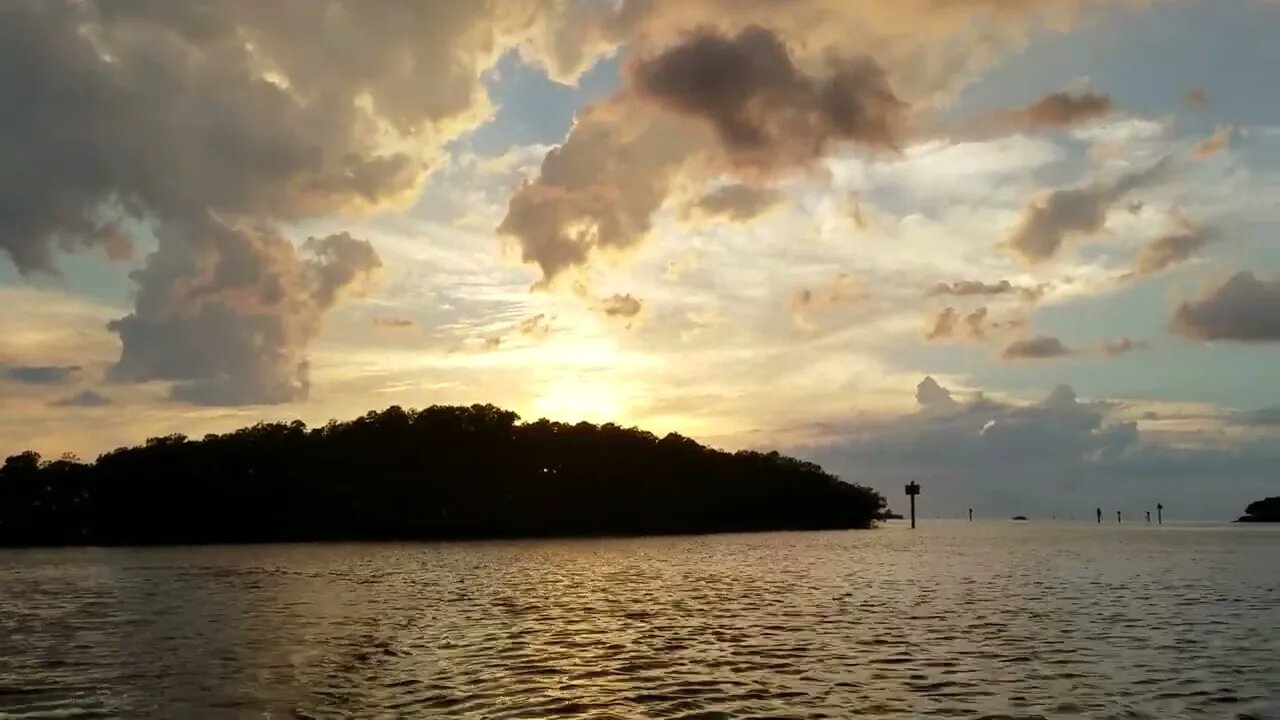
{"x":437,"y":473}
{"x":1267,"y":510}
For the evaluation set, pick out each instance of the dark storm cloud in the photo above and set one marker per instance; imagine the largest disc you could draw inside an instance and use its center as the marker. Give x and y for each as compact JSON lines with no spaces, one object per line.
{"x":764,"y":110}
{"x":39,"y":374}
{"x":84,"y":399}
{"x":1048,"y":222}
{"x":1244,"y":308}
{"x":735,"y":203}
{"x":1041,"y":347}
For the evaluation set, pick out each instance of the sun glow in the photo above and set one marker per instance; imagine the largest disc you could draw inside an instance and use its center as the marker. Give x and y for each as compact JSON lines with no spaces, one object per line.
{"x":577,"y":399}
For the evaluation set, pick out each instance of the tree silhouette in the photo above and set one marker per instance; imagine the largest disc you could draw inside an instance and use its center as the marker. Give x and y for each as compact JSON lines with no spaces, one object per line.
{"x":441,"y":472}
{"x":1267,"y":510}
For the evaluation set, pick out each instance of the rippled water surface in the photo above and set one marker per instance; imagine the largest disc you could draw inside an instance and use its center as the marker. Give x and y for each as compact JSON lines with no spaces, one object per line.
{"x":982,"y":620}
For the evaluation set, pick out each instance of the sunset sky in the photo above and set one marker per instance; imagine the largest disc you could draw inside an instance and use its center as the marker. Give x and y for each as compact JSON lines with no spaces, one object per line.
{"x":1024,"y":252}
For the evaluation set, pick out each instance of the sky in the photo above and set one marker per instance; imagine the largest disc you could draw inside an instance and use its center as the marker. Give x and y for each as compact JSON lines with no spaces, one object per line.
{"x":1023,"y":252}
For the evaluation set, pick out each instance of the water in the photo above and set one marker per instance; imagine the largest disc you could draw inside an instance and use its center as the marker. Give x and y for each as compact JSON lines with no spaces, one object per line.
{"x":958,"y":620}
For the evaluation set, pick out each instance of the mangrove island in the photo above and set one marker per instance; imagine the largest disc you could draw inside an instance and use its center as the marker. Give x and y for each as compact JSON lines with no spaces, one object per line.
{"x":437,"y":473}
{"x":1267,"y":510}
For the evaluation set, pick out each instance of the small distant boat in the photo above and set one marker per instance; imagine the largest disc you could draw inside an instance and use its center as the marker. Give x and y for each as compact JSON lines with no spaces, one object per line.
{"x":1020,"y":518}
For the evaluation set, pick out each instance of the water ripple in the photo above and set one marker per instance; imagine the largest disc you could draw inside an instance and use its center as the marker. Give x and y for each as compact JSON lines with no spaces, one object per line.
{"x":953,"y":621}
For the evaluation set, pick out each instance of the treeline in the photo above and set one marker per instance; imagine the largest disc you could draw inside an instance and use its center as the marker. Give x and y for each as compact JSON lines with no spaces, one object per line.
{"x":1266,"y":510}
{"x":442,"y":472}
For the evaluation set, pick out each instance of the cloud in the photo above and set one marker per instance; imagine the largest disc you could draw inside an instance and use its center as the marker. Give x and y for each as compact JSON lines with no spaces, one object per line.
{"x":1170,"y":250}
{"x":1266,"y":417}
{"x":1064,"y":110}
{"x":963,"y":288}
{"x":738,"y":202}
{"x":180,"y":118}
{"x":807,"y":302}
{"x":932,"y":47}
{"x":1215,"y":144}
{"x":1041,"y":347}
{"x":1059,"y":455}
{"x":253,"y":114}
{"x":975,"y":321}
{"x":597,"y":192}
{"x":929,"y":394}
{"x":1048,"y":222}
{"x":226,"y":312}
{"x":621,"y":306}
{"x":852,"y":205}
{"x":84,"y":399}
{"x":765,"y":111}
{"x":709,"y":104}
{"x":39,"y":374}
{"x":682,"y":265}
{"x":944,"y":325}
{"x":396,"y":323}
{"x":745,"y":88}
{"x":530,"y":329}
{"x":1244,"y":308}
{"x":977,"y":288}
{"x":537,"y":327}
{"x":1122,"y":346}
{"x":1056,"y":111}
{"x":976,"y":324}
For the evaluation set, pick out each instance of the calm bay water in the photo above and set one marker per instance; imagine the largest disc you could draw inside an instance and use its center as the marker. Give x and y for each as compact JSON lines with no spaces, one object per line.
{"x":983,"y":620}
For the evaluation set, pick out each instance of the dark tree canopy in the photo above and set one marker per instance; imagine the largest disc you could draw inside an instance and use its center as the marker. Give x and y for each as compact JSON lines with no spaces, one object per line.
{"x":1267,"y":510}
{"x":442,"y":472}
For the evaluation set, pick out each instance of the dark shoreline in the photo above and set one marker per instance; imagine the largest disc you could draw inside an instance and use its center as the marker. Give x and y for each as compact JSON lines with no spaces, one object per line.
{"x":445,"y":540}
{"x":442,"y":473}
{"x":1262,"y":511}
